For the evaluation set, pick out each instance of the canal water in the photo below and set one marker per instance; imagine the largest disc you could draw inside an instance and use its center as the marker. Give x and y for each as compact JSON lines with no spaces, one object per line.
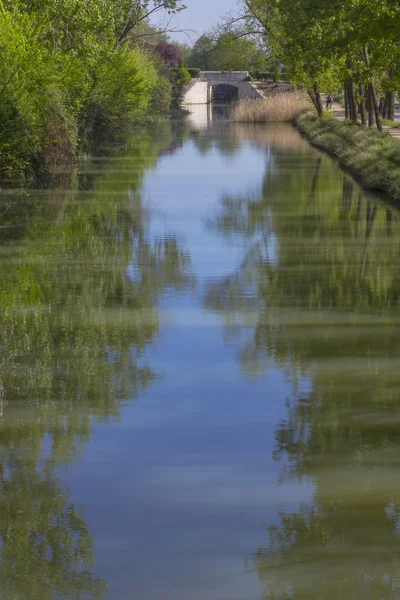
{"x":200,"y":378}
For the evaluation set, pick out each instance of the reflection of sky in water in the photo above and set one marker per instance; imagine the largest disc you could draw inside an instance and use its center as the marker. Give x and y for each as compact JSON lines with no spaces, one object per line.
{"x":180,"y":489}
{"x":186,"y":189}
{"x":189,"y":412}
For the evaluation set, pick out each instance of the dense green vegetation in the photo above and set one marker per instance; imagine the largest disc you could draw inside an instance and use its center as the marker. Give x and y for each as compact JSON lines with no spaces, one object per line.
{"x":332,"y":44}
{"x":222,"y":49}
{"x":74,"y":72}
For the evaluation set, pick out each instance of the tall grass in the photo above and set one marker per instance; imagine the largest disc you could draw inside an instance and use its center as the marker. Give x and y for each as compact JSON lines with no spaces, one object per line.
{"x":274,"y":108}
{"x":374,"y":157}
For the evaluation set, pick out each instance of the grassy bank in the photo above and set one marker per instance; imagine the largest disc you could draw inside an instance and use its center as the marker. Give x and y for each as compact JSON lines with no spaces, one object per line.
{"x":372,"y":156}
{"x":271,"y":109}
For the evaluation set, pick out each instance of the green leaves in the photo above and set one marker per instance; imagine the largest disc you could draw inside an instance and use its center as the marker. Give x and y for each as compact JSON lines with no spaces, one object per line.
{"x":69,"y":69}
{"x":320,"y":41}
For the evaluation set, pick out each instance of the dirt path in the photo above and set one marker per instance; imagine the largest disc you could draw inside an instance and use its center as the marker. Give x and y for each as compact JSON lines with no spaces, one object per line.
{"x":340,"y":114}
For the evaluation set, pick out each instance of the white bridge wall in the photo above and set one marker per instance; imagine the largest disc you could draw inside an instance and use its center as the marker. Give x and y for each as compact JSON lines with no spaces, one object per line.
{"x":200,"y":92}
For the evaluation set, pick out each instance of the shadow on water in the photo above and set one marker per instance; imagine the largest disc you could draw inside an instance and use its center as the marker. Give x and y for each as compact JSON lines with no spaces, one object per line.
{"x":320,"y":278}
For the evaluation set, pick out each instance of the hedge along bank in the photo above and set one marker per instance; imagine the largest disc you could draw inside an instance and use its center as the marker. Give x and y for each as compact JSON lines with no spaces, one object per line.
{"x":372,"y":156}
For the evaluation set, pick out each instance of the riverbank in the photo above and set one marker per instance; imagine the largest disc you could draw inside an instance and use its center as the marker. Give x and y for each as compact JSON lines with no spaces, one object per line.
{"x":372,"y":156}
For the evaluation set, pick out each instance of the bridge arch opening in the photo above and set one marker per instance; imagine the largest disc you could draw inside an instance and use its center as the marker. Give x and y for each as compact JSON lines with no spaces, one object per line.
{"x":224,"y":93}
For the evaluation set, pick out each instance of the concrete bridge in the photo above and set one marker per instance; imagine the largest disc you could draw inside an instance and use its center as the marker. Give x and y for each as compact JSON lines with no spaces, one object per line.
{"x":220,"y":86}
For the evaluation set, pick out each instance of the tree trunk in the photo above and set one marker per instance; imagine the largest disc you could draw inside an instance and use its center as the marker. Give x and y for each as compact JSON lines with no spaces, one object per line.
{"x":314,"y":100}
{"x":370,"y":108}
{"x":375,"y":104}
{"x":363,"y":114}
{"x":352,"y":102}
{"x":382,"y":106}
{"x":373,"y":92}
{"x":346,"y":101}
{"x":320,"y":108}
{"x":390,"y":106}
{"x":384,"y":110}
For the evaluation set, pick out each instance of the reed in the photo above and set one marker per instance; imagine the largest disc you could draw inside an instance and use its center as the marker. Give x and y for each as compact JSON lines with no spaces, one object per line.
{"x":275,"y":108}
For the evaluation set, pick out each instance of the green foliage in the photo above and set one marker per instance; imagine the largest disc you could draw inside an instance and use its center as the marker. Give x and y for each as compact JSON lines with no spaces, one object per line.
{"x":194,"y":73}
{"x":66,"y":81}
{"x":182,"y":73}
{"x":328,"y":45}
{"x":161,"y":99}
{"x":222,"y":50}
{"x":120,"y":93}
{"x":180,"y":77}
{"x":265,"y":75}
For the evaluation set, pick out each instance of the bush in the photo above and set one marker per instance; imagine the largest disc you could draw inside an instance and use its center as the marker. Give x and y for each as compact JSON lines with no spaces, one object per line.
{"x":278,"y":107}
{"x":121,"y":92}
{"x":268,"y":75}
{"x":180,"y":78}
{"x":49,"y":92}
{"x":194,"y":73}
{"x":19,"y":143}
{"x":60,"y":136}
{"x":373,"y":156}
{"x":161,"y":97}
{"x":264,"y":75}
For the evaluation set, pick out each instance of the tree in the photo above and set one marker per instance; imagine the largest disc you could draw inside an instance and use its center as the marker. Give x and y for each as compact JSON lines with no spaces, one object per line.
{"x":169,"y":53}
{"x":222,"y":49}
{"x":327,"y":45}
{"x":136,"y":11}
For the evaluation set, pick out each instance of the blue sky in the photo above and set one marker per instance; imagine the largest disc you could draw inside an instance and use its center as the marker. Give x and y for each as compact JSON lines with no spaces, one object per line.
{"x":200,"y":15}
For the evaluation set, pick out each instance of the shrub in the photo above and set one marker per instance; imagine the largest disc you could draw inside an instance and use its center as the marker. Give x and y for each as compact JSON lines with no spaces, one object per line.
{"x":278,"y":107}
{"x":19,"y":143}
{"x":180,"y":77}
{"x":264,"y":75}
{"x":37,"y":120}
{"x":121,"y":92}
{"x":161,"y":97}
{"x":194,"y":73}
{"x":267,"y":75}
{"x":52,"y":87}
{"x":60,"y":136}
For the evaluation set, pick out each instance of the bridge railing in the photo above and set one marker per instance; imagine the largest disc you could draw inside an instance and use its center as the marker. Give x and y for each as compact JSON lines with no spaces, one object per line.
{"x":223,"y":76}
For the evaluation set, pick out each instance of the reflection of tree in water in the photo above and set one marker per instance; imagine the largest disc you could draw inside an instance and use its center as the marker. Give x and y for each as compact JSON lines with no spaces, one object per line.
{"x":77,"y":310}
{"x":325,"y":305}
{"x":223,"y":139}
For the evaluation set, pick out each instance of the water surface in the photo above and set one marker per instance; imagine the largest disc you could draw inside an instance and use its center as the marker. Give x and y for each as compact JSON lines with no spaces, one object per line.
{"x":199,"y":371}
